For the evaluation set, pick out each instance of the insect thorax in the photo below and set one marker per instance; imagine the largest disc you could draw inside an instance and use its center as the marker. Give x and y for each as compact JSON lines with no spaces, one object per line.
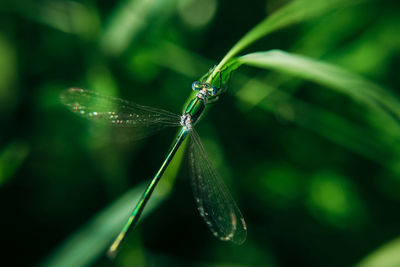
{"x":186,"y":121}
{"x":204,"y":90}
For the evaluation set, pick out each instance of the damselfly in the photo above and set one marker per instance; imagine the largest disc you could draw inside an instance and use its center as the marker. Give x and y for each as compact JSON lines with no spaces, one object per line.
{"x":212,"y":198}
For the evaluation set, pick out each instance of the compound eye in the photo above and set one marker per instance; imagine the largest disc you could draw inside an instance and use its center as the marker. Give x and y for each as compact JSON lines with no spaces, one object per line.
{"x":196,"y":86}
{"x":213,"y":90}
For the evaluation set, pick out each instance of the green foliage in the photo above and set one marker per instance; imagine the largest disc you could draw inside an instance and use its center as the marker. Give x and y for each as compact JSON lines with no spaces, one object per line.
{"x":85,"y":245}
{"x":295,"y":12}
{"x":326,"y":75}
{"x":11,"y":158}
{"x":387,"y":255}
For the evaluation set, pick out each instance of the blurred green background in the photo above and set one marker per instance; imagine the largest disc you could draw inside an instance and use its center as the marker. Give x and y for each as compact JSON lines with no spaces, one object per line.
{"x":315,"y":173}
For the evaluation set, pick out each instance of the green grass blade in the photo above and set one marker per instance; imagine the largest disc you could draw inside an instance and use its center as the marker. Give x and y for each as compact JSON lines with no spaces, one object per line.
{"x":338,"y":129}
{"x":130,"y":19}
{"x":84,"y":246}
{"x":387,"y":255}
{"x":66,"y":16}
{"x":295,"y":12}
{"x":90,"y":242}
{"x":327,"y":75}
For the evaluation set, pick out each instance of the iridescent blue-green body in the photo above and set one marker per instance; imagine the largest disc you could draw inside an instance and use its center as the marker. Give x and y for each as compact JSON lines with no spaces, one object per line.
{"x":191,"y":115}
{"x":213,"y":200}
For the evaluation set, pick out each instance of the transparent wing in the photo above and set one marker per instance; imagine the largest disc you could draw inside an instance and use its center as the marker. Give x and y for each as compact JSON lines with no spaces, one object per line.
{"x":118,"y":112}
{"x":212,"y":197}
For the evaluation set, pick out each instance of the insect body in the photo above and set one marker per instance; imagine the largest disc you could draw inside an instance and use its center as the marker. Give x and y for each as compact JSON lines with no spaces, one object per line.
{"x":212,"y":198}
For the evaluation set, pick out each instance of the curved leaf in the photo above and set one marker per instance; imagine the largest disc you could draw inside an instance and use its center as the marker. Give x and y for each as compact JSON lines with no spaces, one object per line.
{"x":386,"y":256}
{"x":328,"y":75}
{"x":294,"y":12}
